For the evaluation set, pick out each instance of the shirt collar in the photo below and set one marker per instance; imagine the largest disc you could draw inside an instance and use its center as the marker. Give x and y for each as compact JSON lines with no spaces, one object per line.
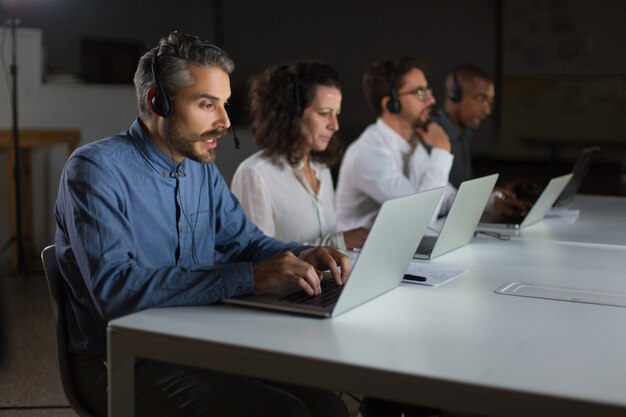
{"x":393,"y":137}
{"x":159,"y":160}
{"x":442,"y":117}
{"x":317,"y":167}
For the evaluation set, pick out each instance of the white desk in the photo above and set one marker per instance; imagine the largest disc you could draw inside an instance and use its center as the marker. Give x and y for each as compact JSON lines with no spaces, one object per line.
{"x":598,"y":206}
{"x":458,"y":346}
{"x":602,"y":220}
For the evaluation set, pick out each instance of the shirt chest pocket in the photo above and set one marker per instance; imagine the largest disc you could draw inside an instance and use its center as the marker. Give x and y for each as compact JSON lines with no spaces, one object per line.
{"x":197,"y":238}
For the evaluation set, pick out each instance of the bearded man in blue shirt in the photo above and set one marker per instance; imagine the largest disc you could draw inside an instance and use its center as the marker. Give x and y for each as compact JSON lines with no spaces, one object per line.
{"x":145,"y":219}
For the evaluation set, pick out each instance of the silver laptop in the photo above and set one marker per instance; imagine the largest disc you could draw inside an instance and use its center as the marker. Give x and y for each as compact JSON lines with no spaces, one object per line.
{"x":383,"y":260}
{"x":460,"y":223}
{"x":536,"y":213}
{"x":581,"y":167}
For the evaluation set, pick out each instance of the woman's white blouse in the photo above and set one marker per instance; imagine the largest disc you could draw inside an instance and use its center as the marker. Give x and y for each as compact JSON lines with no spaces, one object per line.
{"x":279,"y":200}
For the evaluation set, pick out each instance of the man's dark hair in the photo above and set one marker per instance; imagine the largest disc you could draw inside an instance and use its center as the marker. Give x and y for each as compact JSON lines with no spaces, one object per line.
{"x":462,"y":74}
{"x":382,"y":75}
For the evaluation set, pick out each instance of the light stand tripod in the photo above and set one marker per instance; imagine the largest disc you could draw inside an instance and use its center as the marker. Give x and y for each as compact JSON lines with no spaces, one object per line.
{"x":18,"y":238}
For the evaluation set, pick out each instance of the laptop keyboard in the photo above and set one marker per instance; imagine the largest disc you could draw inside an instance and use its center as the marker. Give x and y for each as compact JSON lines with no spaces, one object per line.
{"x":426,"y":245}
{"x":330,"y":294}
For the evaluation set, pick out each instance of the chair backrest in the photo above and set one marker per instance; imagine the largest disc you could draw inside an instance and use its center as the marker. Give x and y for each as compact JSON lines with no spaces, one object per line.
{"x":58,"y":299}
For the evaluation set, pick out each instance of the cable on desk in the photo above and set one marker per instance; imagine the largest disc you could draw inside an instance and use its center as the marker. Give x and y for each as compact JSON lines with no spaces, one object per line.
{"x":434,"y":229}
{"x":495,"y":235}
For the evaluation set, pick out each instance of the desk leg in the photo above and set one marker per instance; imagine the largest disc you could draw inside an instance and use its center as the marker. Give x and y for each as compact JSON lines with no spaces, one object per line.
{"x":121,"y":377}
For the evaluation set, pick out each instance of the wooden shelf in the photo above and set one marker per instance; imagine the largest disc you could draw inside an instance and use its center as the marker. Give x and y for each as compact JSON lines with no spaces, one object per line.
{"x":29,"y":139}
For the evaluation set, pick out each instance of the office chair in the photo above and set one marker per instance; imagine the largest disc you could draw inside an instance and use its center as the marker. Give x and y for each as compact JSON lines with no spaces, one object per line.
{"x":58,"y":299}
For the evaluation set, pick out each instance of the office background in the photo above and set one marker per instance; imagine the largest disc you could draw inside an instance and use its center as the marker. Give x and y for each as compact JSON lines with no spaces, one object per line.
{"x":559,"y":68}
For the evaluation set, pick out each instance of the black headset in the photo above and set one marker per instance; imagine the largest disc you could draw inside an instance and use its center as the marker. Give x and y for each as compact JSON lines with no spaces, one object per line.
{"x":393,"y":105}
{"x":456,"y":93}
{"x":161,"y":102}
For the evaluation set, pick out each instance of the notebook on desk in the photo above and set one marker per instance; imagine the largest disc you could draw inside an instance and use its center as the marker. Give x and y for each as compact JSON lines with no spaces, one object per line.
{"x":536,"y":213}
{"x":460,"y":223}
{"x":380,"y":267}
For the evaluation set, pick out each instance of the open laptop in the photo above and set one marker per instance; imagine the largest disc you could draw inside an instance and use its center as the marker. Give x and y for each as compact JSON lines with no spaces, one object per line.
{"x":581,"y":167}
{"x":536,"y":213}
{"x":380,"y":267}
{"x":460,"y":223}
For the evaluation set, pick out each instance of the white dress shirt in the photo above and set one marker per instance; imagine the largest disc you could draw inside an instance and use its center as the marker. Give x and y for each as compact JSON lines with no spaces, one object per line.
{"x":381,"y":165}
{"x":278,"y":199}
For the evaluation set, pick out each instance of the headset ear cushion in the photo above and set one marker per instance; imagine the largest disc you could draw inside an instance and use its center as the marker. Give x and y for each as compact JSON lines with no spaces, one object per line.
{"x":455,"y":94}
{"x":393,"y":105}
{"x":161,"y":104}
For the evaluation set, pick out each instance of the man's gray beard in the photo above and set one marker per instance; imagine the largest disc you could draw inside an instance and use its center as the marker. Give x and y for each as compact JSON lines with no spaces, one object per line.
{"x":209,"y":157}
{"x":184,"y":146}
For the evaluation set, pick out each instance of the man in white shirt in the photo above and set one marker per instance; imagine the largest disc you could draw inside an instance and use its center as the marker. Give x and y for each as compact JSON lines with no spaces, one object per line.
{"x":389,"y":159}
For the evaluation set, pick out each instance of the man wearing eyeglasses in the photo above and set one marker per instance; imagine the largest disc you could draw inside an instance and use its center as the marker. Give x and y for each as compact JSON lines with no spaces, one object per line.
{"x":390,"y":158}
{"x":469,"y":100}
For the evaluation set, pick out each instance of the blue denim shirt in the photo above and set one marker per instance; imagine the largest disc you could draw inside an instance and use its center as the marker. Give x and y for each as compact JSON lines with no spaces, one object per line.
{"x":136,"y":230}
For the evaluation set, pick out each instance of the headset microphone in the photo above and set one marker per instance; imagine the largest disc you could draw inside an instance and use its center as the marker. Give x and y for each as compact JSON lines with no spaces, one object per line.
{"x":237,"y":143}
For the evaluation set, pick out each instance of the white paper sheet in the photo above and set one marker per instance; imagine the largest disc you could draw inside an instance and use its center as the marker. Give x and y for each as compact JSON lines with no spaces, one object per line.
{"x":435,"y":274}
{"x":561,"y":215}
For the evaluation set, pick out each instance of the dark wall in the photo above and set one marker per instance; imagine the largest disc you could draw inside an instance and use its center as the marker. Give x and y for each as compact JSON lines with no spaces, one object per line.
{"x":347,"y":34}
{"x":66,"y":22}
{"x":517,"y":41}
{"x":350,"y":34}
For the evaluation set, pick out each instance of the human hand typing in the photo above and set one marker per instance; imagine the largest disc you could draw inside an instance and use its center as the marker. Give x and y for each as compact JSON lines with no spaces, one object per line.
{"x":525,"y":189}
{"x":303,"y":271}
{"x":328,"y":258}
{"x":286,"y":267}
{"x":507,"y":203}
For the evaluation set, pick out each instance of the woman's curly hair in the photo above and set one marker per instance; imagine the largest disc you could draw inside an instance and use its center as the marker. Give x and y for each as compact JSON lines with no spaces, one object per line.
{"x":278,"y":96}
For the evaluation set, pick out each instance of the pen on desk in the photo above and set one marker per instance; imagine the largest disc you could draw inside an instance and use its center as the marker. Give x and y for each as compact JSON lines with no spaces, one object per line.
{"x":409,"y":277}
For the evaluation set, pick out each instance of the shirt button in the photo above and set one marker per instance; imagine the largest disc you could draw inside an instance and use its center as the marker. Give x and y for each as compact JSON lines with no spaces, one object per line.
{"x":182,"y":171}
{"x":180,"y":229}
{"x":164,"y":173}
{"x":239,"y":290}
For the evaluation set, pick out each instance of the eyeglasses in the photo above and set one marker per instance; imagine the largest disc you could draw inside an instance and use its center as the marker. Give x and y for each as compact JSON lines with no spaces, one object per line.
{"x":420,"y":92}
{"x":484,"y":100}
